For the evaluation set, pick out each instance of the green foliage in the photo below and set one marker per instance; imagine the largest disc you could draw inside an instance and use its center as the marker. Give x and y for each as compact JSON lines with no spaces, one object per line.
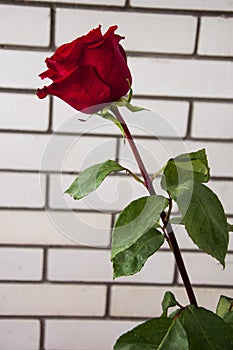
{"x":224,"y":306}
{"x":191,"y":328}
{"x":230,"y":227}
{"x":158,"y":333}
{"x":185,"y":169}
{"x":91,"y":178}
{"x":132,"y":229}
{"x":206,"y":330}
{"x":202,"y":212}
{"x":225,"y":309}
{"x":132,"y":259}
{"x":169,"y":300}
{"x":204,"y":219}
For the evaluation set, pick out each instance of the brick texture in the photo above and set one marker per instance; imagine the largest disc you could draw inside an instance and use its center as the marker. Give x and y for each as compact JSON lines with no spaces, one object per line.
{"x":56,"y":283}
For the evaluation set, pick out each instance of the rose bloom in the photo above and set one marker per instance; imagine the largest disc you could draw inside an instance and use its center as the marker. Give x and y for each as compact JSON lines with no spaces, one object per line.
{"x":89,"y":71}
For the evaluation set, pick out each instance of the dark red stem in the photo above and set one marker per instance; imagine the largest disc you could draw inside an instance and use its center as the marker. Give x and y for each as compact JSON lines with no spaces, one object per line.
{"x":169,"y":233}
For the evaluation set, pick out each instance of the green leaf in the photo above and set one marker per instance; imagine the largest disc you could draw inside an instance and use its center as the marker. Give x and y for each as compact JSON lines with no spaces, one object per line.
{"x":228,"y":318}
{"x":224,"y":306}
{"x":158,"y":333}
{"x":206,"y":330}
{"x":230,"y":227}
{"x":169,"y":300}
{"x":111,"y":118}
{"x":131,"y":260}
{"x":188,"y":167}
{"x":204,"y":218}
{"x":135,"y":220}
{"x":132,"y":108}
{"x":91,"y":178}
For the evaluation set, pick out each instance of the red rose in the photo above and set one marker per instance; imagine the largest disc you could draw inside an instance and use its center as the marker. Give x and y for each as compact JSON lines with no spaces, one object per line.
{"x":89,"y":71}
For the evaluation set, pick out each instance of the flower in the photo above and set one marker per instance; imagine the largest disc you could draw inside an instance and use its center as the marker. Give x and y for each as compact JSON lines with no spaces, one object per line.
{"x":89,"y":71}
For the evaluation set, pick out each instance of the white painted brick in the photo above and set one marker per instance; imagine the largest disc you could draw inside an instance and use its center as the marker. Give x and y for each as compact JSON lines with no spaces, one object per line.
{"x":76,"y":153}
{"x":20,"y":69}
{"x":26,"y":153}
{"x":170,"y":33}
{"x":205,"y":270}
{"x":216,"y":36}
{"x":84,"y":334}
{"x":23,"y":112}
{"x":54,"y":300}
{"x":212,"y":120}
{"x":141,"y":301}
{"x":144,"y":301}
{"x":19,"y":334}
{"x":54,"y":228}
{"x":224,"y":190}
{"x":21,"y":264}
{"x":22,"y":190}
{"x":155,"y":154}
{"x":210,"y":5}
{"x":185,"y":78}
{"x":79,"y":265}
{"x":113,"y":194}
{"x":31,"y":25}
{"x":55,"y":152}
{"x":90,"y":2}
{"x":89,"y":265}
{"x":164,"y":118}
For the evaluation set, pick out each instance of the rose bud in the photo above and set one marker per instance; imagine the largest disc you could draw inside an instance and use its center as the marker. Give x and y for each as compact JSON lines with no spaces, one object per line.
{"x":89,"y":71}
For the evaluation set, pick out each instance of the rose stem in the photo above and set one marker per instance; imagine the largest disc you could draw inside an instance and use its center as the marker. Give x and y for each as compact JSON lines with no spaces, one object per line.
{"x":170,"y":236}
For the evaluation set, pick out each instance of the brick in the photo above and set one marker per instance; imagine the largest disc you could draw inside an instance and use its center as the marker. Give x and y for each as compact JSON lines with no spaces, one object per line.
{"x":55,"y":152}
{"x":84,"y":334}
{"x":32,"y":23}
{"x":91,"y":2}
{"x":182,"y":78}
{"x":209,"y":5}
{"x":171,"y":33}
{"x":22,"y":190}
{"x":95,"y":265}
{"x":215,"y":36}
{"x":164,"y":118}
{"x":145,"y":301}
{"x":52,"y":300}
{"x":21,"y":264}
{"x":19,"y":334}
{"x":76,"y":153}
{"x":205,"y":270}
{"x":23,"y":112}
{"x":20,"y":69}
{"x":112,"y":195}
{"x":54,"y":228}
{"x":212,"y":120}
{"x":155,"y":154}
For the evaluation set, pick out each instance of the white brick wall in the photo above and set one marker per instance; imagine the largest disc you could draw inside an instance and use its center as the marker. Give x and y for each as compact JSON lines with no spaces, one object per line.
{"x":216,"y":36}
{"x":170,"y":33}
{"x":55,"y":273}
{"x":208,"y":5}
{"x":27,"y":333}
{"x":33,"y":25}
